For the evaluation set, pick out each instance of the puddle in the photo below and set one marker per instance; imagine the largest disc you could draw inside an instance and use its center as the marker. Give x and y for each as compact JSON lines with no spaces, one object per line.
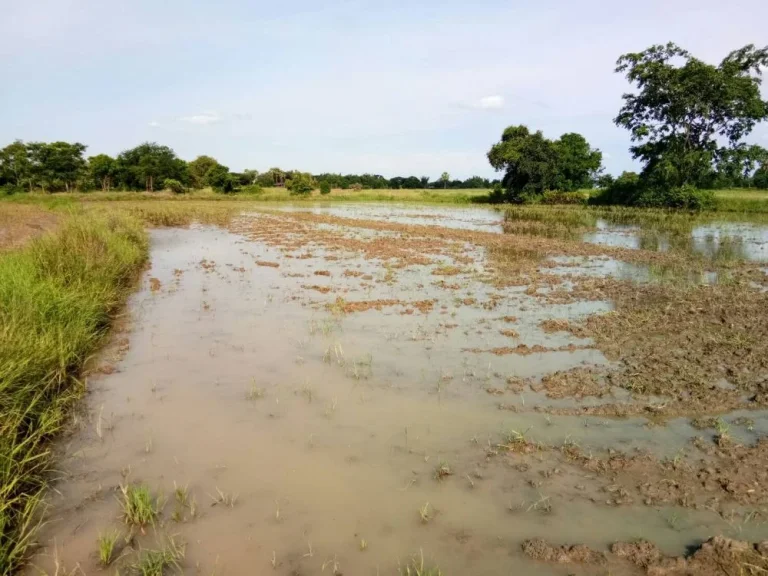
{"x":244,"y":375}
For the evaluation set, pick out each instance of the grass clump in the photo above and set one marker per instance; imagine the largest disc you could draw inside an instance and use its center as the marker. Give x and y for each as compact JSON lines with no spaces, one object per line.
{"x":156,"y":562}
{"x":57,"y":298}
{"x":139,"y":506}
{"x":416,"y":567}
{"x":106,"y":544}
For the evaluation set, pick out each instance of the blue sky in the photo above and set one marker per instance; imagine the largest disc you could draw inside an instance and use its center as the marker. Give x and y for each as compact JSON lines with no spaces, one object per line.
{"x":344,"y":86}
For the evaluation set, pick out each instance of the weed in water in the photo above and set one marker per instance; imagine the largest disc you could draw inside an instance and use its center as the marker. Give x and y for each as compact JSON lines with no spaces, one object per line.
{"x":139,"y":506}
{"x":721,"y":427}
{"x":363,"y":544}
{"x":106,"y":542}
{"x":442,"y":471}
{"x":416,"y":567}
{"x":224,"y":499}
{"x":156,"y":562}
{"x":254,"y":392}
{"x":425,"y":514}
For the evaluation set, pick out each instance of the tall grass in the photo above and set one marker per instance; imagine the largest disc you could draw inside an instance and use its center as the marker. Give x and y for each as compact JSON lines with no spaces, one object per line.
{"x":57,"y":298}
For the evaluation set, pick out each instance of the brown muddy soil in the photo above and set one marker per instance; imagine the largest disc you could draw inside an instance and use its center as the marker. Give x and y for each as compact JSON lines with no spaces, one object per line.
{"x":342,"y":395}
{"x":19,"y":223}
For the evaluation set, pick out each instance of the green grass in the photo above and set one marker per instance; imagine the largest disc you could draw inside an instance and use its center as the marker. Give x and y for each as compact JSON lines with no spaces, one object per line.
{"x":156,"y":562}
{"x":58,"y":296}
{"x":106,"y":544}
{"x":139,"y":506}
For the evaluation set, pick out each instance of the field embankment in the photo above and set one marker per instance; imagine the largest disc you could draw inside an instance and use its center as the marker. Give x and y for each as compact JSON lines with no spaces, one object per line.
{"x":58,"y":296}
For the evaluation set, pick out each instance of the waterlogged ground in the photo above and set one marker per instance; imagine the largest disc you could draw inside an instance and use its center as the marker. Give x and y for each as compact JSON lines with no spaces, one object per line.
{"x":346,"y":389}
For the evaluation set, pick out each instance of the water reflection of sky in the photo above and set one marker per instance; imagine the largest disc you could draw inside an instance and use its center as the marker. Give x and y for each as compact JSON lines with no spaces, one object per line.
{"x":714,"y":240}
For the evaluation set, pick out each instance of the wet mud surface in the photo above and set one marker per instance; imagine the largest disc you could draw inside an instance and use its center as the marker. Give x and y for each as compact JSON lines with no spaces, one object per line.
{"x":340,"y":394}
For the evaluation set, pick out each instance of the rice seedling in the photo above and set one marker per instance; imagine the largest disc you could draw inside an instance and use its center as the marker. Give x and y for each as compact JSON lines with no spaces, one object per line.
{"x":425,"y":514}
{"x":721,"y":427}
{"x":334,"y":566}
{"x":254,"y":392}
{"x":224,"y":499}
{"x":156,"y":562}
{"x":442,"y":471}
{"x":416,"y":567}
{"x":334,"y":353}
{"x":138,"y":505}
{"x":363,"y":545}
{"x":274,"y":560}
{"x":106,"y":543}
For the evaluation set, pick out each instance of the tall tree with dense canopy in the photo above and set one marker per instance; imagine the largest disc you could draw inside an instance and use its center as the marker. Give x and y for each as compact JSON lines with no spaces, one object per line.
{"x":104,"y":170}
{"x":445,"y":178}
{"x":15,"y":165}
{"x":686,"y":112}
{"x":199,"y":169}
{"x":150,"y":164}
{"x":532,"y":164}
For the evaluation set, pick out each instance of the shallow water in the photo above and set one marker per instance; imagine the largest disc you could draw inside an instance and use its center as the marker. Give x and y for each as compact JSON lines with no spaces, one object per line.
{"x":329,"y":427}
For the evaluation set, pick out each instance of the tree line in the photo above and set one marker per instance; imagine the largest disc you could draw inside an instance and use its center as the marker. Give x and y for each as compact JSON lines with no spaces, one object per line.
{"x":64,"y":167}
{"x":687,"y":120}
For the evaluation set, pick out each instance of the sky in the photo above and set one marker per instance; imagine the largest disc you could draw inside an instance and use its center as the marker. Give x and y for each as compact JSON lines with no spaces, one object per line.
{"x":352,"y":86}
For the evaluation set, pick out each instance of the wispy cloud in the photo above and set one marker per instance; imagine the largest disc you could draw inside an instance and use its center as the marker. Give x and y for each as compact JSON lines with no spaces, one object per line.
{"x":154,"y":124}
{"x":489,"y":103}
{"x":202,"y":119}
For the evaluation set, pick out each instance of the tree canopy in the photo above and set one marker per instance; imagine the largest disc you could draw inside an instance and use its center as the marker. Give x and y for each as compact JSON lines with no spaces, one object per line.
{"x":687,"y":116}
{"x":532,"y":164}
{"x":150,"y":164}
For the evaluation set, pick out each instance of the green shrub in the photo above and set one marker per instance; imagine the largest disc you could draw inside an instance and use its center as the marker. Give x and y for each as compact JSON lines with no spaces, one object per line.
{"x":356,"y":186}
{"x":325,"y":187}
{"x":174,"y":186}
{"x":631,"y":190}
{"x":300,"y":184}
{"x":555,"y":197}
{"x":252,"y":189}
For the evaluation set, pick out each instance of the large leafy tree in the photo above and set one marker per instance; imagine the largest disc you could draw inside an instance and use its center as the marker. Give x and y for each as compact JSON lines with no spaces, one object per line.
{"x":56,"y":165}
{"x":104,"y":170}
{"x":533,"y":164}
{"x":686,"y":113}
{"x":199,"y":169}
{"x":149,"y":165}
{"x":15,"y":165}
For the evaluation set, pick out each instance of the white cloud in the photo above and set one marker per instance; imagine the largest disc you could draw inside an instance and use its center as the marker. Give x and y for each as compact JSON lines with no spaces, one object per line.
{"x":489,"y":103}
{"x":154,"y":124}
{"x":202,"y":119}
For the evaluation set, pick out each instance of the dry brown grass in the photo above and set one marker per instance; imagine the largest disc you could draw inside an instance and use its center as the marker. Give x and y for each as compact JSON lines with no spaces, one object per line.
{"x":19,"y":223}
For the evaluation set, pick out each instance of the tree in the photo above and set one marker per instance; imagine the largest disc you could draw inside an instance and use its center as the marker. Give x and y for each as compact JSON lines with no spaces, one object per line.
{"x":15,"y":165}
{"x":325,"y":187}
{"x":141,"y":167}
{"x":532,"y":164}
{"x":686,"y":112}
{"x":445,"y":178}
{"x":199,"y":169}
{"x":174,"y":186}
{"x":300,"y":183}
{"x":220,"y":179}
{"x":103,"y":170}
{"x":736,"y":165}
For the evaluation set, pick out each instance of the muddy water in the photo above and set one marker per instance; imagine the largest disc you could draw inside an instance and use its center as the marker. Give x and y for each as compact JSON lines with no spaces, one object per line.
{"x":241,"y":377}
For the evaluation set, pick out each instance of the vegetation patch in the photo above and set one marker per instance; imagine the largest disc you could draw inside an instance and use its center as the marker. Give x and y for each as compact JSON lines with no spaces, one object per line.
{"x":58,"y":296}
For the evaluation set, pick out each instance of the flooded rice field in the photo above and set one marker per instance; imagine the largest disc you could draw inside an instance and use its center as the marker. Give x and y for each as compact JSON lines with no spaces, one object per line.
{"x":378,"y":390}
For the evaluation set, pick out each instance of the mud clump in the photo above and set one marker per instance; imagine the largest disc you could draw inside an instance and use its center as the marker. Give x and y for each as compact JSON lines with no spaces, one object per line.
{"x":267,"y":264}
{"x":322,"y":273}
{"x":640,"y":553}
{"x":154,"y":284}
{"x":321,"y":289}
{"x":554,"y":325}
{"x":510,"y":333}
{"x":539,"y":549}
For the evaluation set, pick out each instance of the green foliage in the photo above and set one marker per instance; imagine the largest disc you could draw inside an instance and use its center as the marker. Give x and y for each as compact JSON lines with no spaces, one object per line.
{"x":69,"y":283}
{"x":199,"y":170}
{"x":685,"y":109}
{"x":630,"y":189}
{"x":533,"y":164}
{"x":300,"y":183}
{"x":149,"y":164}
{"x":325,"y":187}
{"x":174,"y":186}
{"x":557,"y":197}
{"x":445,"y":178}
{"x":220,"y":179}
{"x":760,"y":179}
{"x":103,"y":170}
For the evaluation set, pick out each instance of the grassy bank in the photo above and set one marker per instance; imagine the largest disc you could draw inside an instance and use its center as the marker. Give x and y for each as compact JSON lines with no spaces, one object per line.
{"x":58,"y":295}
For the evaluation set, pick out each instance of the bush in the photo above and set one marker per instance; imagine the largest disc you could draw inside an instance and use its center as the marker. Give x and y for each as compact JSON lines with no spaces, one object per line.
{"x":631,"y":190}
{"x":554,"y":197}
{"x":300,"y":184}
{"x":325,"y":187}
{"x":251,"y":189}
{"x":356,"y":186}
{"x":10,"y":189}
{"x":174,"y":186}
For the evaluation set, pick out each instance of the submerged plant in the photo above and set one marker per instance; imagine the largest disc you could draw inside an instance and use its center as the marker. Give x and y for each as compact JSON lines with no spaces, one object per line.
{"x":416,"y":567}
{"x":139,"y":506}
{"x":106,"y":543}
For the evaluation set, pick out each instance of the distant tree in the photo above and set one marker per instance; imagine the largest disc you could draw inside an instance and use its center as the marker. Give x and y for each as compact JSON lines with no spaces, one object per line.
{"x":736,"y":165}
{"x":325,"y":187}
{"x":686,"y":113}
{"x":445,"y":178}
{"x":424,"y":181}
{"x":604,"y":181}
{"x":15,"y":165}
{"x":300,"y":183}
{"x":251,"y":176}
{"x":199,"y":169}
{"x":220,"y":179}
{"x":103,"y":170}
{"x":760,"y":179}
{"x":56,"y":165}
{"x":149,"y":163}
